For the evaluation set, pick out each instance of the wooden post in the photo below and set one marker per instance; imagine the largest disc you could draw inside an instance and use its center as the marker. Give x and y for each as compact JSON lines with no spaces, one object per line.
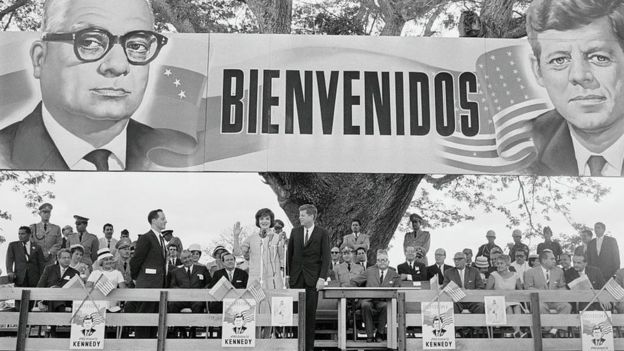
{"x":162,"y":321}
{"x":342,"y":324}
{"x":301,"y":311}
{"x":22,"y":326}
{"x":401,"y":327}
{"x":536,"y":330}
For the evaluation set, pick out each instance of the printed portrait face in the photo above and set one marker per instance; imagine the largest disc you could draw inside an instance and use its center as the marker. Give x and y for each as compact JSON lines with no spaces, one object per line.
{"x":583,"y":71}
{"x":109,"y":89}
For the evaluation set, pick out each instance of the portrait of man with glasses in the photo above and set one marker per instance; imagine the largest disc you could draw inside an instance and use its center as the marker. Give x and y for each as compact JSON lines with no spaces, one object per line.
{"x":92,"y":64}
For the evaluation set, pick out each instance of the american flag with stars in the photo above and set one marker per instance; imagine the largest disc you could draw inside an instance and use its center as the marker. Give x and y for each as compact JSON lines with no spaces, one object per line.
{"x":104,"y":285}
{"x":509,"y":99}
{"x":248,"y":315}
{"x":454,"y":291}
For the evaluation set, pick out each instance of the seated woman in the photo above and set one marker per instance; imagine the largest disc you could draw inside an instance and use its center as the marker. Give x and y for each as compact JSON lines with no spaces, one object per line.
{"x":503,"y":279}
{"x":77,"y":251}
{"x":107,"y":263}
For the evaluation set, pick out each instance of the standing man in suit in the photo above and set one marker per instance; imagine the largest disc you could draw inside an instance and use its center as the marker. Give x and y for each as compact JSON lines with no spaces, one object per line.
{"x":308,"y":264}
{"x":593,"y":274}
{"x":107,"y":240}
{"x":412,"y":269}
{"x":467,"y":278}
{"x":148,"y":265}
{"x":47,"y":235}
{"x":189,"y":276}
{"x":547,"y":276}
{"x":345,"y":271}
{"x":24,"y":261}
{"x":89,"y":241}
{"x":55,"y":276}
{"x":90,"y":89}
{"x":380,"y":275}
{"x":439,"y":267}
{"x":356,"y":238}
{"x":586,"y":237}
{"x":603,"y":252}
{"x":583,"y":134}
{"x":68,"y":234}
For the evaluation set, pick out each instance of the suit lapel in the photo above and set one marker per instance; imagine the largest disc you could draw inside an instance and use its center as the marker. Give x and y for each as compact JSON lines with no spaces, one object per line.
{"x":558,"y":155}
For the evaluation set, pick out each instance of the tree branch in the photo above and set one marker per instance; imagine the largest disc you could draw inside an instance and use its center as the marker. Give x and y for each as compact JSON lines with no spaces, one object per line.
{"x":12,"y":8}
{"x":525,"y":204}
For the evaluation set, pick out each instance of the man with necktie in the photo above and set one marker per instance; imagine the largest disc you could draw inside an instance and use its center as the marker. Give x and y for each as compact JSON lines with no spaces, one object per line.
{"x":89,"y":241}
{"x":307,"y":264}
{"x":107,"y":240}
{"x":47,"y":235}
{"x":603,"y":252}
{"x":188,"y":276}
{"x":411,"y":269}
{"x":439,"y":267}
{"x":467,"y":278}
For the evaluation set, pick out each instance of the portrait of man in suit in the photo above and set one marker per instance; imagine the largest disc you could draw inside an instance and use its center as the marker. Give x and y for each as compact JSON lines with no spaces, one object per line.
{"x":578,"y":58}
{"x":87,"y":326}
{"x":307,"y":264}
{"x":239,"y":324}
{"x":438,"y":330}
{"x":92,"y":64}
{"x":598,"y":336}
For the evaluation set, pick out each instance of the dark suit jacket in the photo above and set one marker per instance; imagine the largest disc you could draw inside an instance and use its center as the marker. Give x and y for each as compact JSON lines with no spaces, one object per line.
{"x":239,"y":280}
{"x":551,"y":136}
{"x":200,"y":278}
{"x":51,"y":276}
{"x":472,"y":278}
{"x":609,"y":260}
{"x":147,"y":266}
{"x":419,"y":273}
{"x":312,"y":260}
{"x":370,"y":278}
{"x":593,"y":274}
{"x":27,"y":145}
{"x":433,"y":270}
{"x":33,"y":267}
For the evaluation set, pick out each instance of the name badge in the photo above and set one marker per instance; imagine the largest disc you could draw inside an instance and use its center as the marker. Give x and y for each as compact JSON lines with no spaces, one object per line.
{"x":150,"y":271}
{"x":201,"y":276}
{"x":390,"y":282}
{"x":239,"y":281}
{"x":66,"y":277}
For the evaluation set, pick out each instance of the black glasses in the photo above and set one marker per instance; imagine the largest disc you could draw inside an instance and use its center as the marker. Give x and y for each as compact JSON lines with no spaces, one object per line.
{"x":335,"y":252}
{"x":91,"y":44}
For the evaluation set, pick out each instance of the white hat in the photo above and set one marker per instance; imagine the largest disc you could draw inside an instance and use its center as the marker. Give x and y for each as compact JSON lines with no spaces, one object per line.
{"x":194,"y":247}
{"x":103,"y":253}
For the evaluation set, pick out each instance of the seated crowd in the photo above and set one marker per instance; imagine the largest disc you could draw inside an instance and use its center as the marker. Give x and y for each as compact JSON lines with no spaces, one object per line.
{"x":47,"y":256}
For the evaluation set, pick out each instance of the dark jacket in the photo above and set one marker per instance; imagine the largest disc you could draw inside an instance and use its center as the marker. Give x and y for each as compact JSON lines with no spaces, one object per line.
{"x":239,"y":280}
{"x":433,"y":270}
{"x":51,"y":276}
{"x":608,"y":262}
{"x":147,"y":266}
{"x":472,"y":278}
{"x":27,"y":271}
{"x":200,"y":278}
{"x":310,"y":260}
{"x":419,"y":272}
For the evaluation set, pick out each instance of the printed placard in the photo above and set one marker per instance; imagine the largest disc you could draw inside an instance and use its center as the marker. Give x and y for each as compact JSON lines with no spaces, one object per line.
{"x":438,"y":321}
{"x":88,"y":325}
{"x":281,"y":311}
{"x":239,"y":323}
{"x":597,"y":331}
{"x":495,"y":310}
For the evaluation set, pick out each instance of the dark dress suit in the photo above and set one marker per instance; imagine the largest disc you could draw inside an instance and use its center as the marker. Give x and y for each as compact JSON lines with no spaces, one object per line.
{"x":305,"y":264}
{"x":147,"y":268}
{"x":608,"y":262}
{"x":597,"y":281}
{"x":552,"y":139}
{"x":418,"y":271}
{"x":27,"y":145}
{"x":52,"y":278}
{"x":434,"y":269}
{"x":472,"y":281}
{"x":371,"y":277}
{"x":27,"y":270}
{"x":239,"y":281}
{"x":199,"y":279}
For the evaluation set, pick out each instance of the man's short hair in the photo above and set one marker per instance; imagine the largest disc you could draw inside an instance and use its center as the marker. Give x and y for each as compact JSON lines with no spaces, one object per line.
{"x":505,"y":258}
{"x":348,"y":246}
{"x":561,"y":15}
{"x":309,"y":209}
{"x":107,"y":225}
{"x":26,"y":229}
{"x":360,"y":248}
{"x":356,"y":220}
{"x":226,"y":253}
{"x":382,"y":252}
{"x":565,"y":254}
{"x":265,"y":212}
{"x":544,"y":254}
{"x":61,"y":251}
{"x":55,"y":14}
{"x":600,"y":224}
{"x":582,"y":256}
{"x":153,"y":214}
{"x":467,"y":250}
{"x":587,"y":232}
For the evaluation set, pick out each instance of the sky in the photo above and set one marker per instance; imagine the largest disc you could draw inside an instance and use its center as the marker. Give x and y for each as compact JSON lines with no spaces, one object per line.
{"x":201,"y":206}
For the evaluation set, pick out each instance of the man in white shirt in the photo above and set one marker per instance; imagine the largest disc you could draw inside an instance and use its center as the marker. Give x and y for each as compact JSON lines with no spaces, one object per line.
{"x":107,"y":240}
{"x":520,"y":264}
{"x":356,"y":238}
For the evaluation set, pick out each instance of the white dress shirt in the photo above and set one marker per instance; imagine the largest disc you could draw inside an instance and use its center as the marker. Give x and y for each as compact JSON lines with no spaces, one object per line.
{"x":614,"y":155}
{"x":73,"y":148}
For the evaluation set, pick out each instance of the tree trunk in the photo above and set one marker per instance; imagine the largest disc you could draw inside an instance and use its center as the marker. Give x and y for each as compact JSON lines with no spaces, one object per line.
{"x":273,"y":16}
{"x":378,"y":200}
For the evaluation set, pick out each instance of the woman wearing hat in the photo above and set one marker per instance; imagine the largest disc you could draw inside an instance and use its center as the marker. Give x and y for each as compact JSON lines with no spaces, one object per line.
{"x":77,"y":251}
{"x":483,"y":265}
{"x":264,"y":251}
{"x":107,"y":263}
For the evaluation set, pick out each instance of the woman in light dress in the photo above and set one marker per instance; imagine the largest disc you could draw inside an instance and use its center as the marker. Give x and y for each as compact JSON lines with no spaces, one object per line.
{"x":264,"y":252}
{"x":504,"y":279}
{"x":106,"y":261}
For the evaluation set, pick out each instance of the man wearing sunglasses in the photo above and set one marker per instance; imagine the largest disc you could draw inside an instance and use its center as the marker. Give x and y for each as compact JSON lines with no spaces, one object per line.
{"x":92,"y":63}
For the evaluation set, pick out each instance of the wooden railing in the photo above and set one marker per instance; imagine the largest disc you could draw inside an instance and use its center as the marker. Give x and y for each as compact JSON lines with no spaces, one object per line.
{"x":404,"y":312}
{"x":162,"y":320}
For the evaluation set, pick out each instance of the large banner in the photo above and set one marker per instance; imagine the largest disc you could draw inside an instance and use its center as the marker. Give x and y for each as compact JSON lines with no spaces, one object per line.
{"x":142,"y":101}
